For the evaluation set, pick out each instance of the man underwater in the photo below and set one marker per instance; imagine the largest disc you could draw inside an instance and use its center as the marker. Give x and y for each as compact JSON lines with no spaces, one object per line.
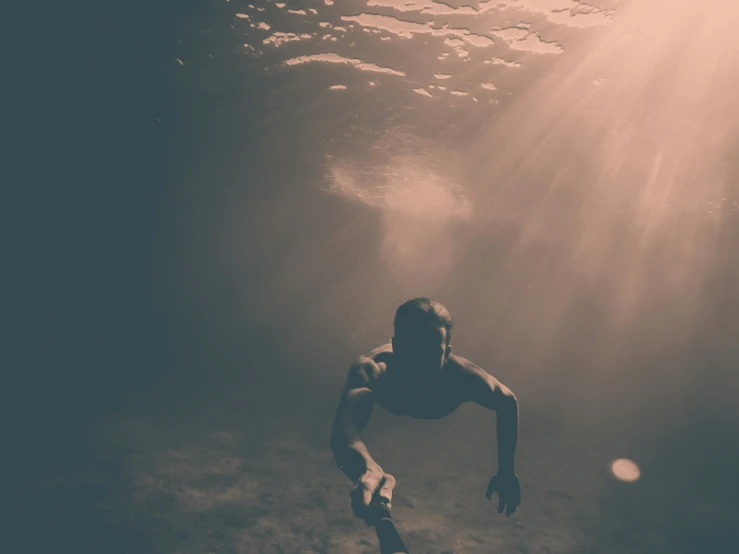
{"x":416,"y":374}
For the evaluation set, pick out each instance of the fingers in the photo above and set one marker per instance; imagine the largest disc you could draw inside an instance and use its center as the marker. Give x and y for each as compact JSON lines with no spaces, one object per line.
{"x":372,"y":485}
{"x":366,"y":495}
{"x":509,"y":502}
{"x":516,"y":500}
{"x":361,"y":497}
{"x":509,"y":494}
{"x":386,"y":488}
{"x":357,"y":500}
{"x":491,"y":489}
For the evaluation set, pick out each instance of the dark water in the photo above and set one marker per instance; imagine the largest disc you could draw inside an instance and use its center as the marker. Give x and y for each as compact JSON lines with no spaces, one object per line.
{"x":218,"y":258}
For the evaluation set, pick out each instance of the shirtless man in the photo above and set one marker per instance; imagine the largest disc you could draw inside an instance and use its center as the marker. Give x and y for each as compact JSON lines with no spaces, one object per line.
{"x":416,"y":374}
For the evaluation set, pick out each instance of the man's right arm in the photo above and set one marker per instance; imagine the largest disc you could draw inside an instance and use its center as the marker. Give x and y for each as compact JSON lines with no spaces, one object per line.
{"x":350,"y":451}
{"x":355,"y":408}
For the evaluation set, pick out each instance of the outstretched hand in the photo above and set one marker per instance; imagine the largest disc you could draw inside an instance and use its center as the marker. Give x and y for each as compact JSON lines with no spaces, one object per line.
{"x":509,"y":491}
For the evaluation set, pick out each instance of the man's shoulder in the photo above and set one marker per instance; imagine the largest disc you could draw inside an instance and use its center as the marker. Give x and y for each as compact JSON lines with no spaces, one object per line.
{"x":463,"y":366}
{"x":371,"y":366}
{"x":466,"y":376}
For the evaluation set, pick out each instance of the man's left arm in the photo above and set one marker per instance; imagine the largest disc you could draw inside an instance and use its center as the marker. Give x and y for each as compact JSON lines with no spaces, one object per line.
{"x":486,"y":390}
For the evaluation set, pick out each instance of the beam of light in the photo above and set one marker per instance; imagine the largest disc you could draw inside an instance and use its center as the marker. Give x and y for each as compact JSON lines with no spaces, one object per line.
{"x":602,"y":174}
{"x":613,"y":167}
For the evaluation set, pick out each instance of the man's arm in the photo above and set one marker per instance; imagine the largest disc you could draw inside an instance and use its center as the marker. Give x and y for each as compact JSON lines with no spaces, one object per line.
{"x":486,"y":390}
{"x":349,"y":449}
{"x":355,"y":408}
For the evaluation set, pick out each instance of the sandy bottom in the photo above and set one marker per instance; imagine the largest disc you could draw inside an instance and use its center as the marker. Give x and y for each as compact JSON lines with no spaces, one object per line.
{"x":258,"y":490}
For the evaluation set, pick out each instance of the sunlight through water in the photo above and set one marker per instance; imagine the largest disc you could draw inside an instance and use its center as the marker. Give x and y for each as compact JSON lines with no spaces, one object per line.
{"x":615,"y":164}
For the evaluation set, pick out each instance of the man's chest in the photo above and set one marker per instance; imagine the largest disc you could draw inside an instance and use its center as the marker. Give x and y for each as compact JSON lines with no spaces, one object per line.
{"x":419,"y":400}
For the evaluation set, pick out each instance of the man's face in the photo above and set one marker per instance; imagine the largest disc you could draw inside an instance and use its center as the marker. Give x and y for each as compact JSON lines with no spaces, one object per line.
{"x":422,"y":348}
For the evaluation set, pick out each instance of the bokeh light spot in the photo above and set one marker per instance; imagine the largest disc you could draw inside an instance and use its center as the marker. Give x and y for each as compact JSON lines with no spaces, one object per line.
{"x":625,"y":470}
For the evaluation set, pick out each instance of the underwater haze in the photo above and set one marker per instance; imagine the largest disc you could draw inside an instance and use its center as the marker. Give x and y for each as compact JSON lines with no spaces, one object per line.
{"x":256,"y":187}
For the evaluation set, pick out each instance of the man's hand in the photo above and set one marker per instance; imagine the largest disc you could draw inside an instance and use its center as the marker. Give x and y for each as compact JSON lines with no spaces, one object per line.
{"x":508,"y":489}
{"x":374,"y":483}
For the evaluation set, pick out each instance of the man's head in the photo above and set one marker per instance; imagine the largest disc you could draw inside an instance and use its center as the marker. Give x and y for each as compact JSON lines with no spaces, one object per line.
{"x":423,"y":334}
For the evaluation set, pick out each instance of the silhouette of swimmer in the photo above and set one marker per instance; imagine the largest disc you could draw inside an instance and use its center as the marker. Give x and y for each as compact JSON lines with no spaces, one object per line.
{"x":416,"y":374}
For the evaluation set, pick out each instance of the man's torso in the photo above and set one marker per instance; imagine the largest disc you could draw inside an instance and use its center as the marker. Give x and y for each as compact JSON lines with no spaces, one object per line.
{"x":421,"y":397}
